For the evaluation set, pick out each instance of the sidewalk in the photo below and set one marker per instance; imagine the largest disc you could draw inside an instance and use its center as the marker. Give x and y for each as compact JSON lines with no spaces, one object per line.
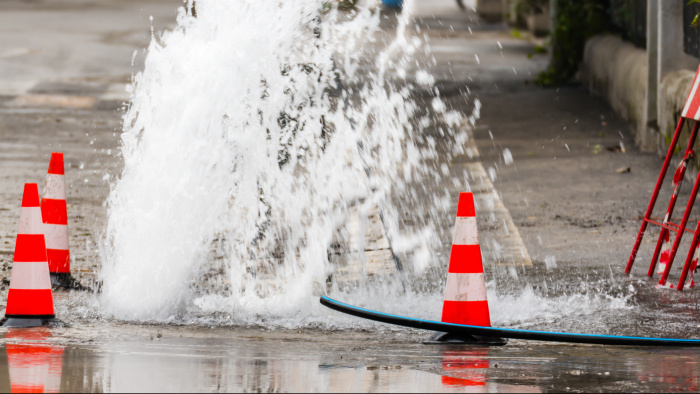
{"x":546,"y":150}
{"x":562,"y":189}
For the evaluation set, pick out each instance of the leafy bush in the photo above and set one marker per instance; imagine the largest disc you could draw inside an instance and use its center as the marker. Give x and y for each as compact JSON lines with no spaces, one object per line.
{"x":574,"y":23}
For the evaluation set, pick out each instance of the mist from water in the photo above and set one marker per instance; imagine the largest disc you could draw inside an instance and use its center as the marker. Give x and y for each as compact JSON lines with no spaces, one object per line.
{"x":241,"y":158}
{"x":253,"y":132}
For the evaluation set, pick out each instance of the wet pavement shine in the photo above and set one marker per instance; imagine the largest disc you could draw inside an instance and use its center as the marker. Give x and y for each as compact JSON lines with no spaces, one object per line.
{"x":183,"y":359}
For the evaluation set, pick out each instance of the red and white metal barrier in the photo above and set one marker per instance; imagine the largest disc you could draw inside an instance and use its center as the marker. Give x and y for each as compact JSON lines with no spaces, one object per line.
{"x":691,"y":112}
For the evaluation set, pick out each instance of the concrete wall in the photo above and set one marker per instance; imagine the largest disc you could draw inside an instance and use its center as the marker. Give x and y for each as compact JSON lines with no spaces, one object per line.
{"x":673,"y":91}
{"x":617,"y":70}
{"x":647,"y":87}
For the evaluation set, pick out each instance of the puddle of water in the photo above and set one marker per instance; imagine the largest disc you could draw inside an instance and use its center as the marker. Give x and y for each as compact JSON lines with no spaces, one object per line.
{"x":35,"y":362}
{"x":34,"y":365}
{"x":185,"y":359}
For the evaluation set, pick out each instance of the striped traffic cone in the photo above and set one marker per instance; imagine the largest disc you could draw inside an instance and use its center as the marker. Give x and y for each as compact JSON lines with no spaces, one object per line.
{"x":55,"y":215}
{"x":665,"y":253}
{"x":35,"y":365}
{"x":465,"y":291}
{"x":30,"y":300}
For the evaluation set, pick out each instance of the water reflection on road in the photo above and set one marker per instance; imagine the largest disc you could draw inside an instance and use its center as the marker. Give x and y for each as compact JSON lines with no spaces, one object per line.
{"x":34,"y":365}
{"x":149,"y":358}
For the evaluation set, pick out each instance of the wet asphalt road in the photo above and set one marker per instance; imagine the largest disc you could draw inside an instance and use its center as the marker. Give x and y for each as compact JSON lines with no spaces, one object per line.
{"x":150,"y":358}
{"x":562,"y":192}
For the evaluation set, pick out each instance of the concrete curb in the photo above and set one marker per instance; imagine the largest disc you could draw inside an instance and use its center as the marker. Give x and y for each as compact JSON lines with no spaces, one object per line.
{"x":617,"y":70}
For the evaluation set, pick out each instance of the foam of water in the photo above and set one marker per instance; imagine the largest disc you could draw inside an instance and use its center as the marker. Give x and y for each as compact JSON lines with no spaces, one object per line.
{"x":238,"y":166}
{"x":241,"y":162}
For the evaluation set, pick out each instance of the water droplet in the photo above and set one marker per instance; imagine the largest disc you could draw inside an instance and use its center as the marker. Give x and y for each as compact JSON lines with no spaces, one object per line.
{"x":550,"y":262}
{"x":492,"y":174}
{"x":507,"y":157}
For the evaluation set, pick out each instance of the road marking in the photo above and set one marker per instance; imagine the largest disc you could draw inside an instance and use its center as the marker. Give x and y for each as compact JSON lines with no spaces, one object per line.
{"x":14,"y":87}
{"x":366,"y":247}
{"x":116,"y":92}
{"x":501,"y":242}
{"x":53,"y":100}
{"x":14,"y":52}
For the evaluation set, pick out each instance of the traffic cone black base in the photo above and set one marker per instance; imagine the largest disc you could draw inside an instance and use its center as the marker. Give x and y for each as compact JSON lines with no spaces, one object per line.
{"x":21,"y":322}
{"x":445,"y":338}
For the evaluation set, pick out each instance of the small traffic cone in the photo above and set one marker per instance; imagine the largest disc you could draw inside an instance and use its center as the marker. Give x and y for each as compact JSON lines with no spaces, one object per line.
{"x":465,"y":291}
{"x":30,"y":299}
{"x":35,"y":365}
{"x":665,"y":253}
{"x":663,"y":261}
{"x":55,"y":216}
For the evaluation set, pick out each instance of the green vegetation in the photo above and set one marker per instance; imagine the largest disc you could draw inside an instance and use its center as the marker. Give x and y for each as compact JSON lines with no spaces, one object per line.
{"x":537,"y":50}
{"x":694,"y":23}
{"x":574,"y":23}
{"x":540,"y":50}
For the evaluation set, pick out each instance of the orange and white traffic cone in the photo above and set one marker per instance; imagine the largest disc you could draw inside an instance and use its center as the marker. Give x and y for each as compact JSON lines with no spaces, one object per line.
{"x":30,"y":299}
{"x":465,"y":292}
{"x":55,"y":215}
{"x":35,"y":365}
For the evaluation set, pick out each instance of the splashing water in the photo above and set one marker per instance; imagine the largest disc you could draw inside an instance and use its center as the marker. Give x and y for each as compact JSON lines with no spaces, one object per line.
{"x":243,"y":158}
{"x":239,"y":162}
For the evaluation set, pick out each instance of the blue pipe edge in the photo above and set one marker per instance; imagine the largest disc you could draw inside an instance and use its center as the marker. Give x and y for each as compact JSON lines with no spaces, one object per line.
{"x":393,"y":3}
{"x":506,"y":332}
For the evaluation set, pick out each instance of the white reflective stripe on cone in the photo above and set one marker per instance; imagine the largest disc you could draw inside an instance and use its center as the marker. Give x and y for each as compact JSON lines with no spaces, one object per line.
{"x":55,"y":187}
{"x":661,"y":268}
{"x":56,"y":236}
{"x":30,"y":221}
{"x":30,"y":276}
{"x":466,"y":232}
{"x":465,"y":287}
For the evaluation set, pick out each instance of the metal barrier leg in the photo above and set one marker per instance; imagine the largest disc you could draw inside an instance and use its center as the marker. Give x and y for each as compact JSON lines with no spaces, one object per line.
{"x":677,"y":183}
{"x":655,"y":195}
{"x":689,"y":259}
{"x":681,"y":230}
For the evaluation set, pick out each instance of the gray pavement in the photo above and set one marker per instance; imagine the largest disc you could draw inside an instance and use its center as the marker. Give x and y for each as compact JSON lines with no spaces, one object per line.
{"x":65,"y":65}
